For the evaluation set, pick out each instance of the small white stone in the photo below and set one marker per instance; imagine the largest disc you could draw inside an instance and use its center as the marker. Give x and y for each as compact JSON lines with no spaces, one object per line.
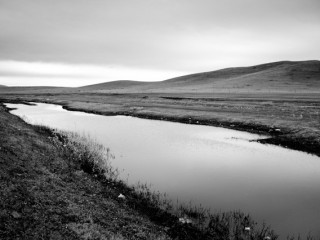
{"x":185,"y":220}
{"x":121,"y":196}
{"x":188,"y":221}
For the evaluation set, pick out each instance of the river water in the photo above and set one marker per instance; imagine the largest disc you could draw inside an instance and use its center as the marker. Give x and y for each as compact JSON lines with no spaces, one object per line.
{"x":215,"y":167}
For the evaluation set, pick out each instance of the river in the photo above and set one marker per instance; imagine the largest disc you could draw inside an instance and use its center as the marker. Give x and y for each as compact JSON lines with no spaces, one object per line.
{"x":215,"y":167}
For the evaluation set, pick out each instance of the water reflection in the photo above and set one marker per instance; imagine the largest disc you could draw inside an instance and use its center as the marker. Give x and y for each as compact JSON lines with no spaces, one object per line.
{"x":216,"y":167}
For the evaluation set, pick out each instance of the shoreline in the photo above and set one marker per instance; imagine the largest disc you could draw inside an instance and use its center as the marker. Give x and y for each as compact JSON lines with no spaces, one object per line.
{"x":277,"y":136}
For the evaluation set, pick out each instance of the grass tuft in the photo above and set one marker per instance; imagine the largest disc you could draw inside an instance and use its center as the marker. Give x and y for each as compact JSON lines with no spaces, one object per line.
{"x":85,"y":152}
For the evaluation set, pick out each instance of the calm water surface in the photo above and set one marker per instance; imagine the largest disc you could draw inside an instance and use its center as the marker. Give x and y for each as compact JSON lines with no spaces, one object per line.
{"x":216,"y":167}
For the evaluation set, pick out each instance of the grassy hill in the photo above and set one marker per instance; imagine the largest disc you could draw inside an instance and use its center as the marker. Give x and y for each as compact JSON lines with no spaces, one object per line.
{"x":260,"y":99}
{"x":285,"y":76}
{"x":33,"y":89}
{"x":276,"y":77}
{"x":120,"y":84}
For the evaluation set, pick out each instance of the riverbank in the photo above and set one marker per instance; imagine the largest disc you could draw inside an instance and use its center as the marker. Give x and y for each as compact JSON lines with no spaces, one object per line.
{"x":291,"y":120}
{"x":53,"y":187}
{"x":43,"y":196}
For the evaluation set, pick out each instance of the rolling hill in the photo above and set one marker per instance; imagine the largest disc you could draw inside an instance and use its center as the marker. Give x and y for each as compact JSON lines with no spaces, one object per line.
{"x":277,"y":76}
{"x":33,"y":89}
{"x":120,"y":84}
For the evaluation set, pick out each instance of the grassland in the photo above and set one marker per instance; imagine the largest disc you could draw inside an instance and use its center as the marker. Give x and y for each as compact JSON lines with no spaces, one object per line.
{"x":279,"y":99}
{"x":59,"y":185}
{"x":291,"y":120}
{"x":48,"y":195}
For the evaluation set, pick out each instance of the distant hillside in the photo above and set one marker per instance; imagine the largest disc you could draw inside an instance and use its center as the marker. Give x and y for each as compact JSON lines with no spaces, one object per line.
{"x":33,"y":89}
{"x":120,"y":84}
{"x":1,"y":86}
{"x":277,"y":76}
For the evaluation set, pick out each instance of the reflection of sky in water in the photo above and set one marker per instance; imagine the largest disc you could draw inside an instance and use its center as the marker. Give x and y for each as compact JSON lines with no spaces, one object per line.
{"x":217,"y":167}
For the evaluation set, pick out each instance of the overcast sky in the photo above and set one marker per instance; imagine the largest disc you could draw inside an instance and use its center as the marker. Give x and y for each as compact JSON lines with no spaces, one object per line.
{"x":79,"y":42}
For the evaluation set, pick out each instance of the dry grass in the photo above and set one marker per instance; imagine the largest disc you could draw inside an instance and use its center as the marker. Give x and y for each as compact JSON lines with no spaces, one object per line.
{"x":292,"y":120}
{"x":64,"y":184}
{"x":45,"y":194}
{"x":95,"y":159}
{"x":86,"y":152}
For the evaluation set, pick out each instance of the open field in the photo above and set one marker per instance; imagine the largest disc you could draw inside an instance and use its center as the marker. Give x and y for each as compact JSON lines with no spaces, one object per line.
{"x":291,"y":120}
{"x":288,"y":112}
{"x":281,"y":99}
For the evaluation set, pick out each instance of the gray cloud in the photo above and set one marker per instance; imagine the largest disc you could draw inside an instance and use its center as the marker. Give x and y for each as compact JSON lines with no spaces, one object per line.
{"x":184,"y":35}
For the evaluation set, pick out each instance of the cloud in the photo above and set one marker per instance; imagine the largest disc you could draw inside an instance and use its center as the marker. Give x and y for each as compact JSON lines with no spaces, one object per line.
{"x":41,"y":69}
{"x":159,"y":35}
{"x":18,"y":73}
